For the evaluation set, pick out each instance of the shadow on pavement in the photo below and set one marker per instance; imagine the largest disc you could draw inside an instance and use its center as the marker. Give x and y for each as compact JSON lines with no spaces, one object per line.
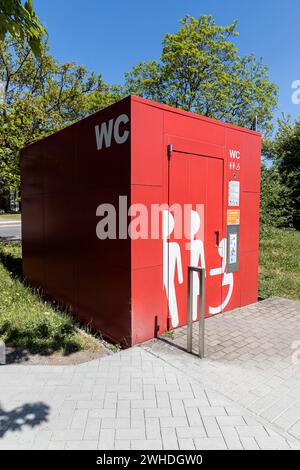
{"x":30,"y":414}
{"x":16,"y":355}
{"x":171,"y":343}
{"x":10,"y":239}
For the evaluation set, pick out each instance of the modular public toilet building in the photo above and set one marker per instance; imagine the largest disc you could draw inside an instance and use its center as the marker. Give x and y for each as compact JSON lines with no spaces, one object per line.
{"x":117,"y":206}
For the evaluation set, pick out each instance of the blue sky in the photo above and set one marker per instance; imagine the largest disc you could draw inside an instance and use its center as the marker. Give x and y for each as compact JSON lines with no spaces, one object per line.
{"x":110,"y":37}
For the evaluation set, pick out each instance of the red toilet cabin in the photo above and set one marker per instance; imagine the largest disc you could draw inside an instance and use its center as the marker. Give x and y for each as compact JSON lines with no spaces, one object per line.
{"x":187,"y":190}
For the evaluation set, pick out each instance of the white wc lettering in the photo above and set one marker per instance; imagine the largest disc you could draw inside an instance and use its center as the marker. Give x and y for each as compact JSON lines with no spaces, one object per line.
{"x":235,"y":154}
{"x":107,"y":130}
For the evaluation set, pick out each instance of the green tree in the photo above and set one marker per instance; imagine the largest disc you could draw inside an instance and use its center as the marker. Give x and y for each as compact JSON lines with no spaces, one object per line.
{"x":40,"y":97}
{"x":21,"y":22}
{"x":276,"y":205}
{"x":284,"y":152}
{"x":200,"y":71}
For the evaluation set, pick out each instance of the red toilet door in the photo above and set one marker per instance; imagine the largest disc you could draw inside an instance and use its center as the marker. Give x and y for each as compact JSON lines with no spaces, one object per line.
{"x":195,"y":186}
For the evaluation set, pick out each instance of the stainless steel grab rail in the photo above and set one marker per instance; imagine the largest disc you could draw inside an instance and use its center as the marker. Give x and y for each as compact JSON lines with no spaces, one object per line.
{"x":191,"y":271}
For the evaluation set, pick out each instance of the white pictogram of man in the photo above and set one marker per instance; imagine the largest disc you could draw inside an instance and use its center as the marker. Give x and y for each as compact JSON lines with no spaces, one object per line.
{"x":228,"y":279}
{"x":196,"y":255}
{"x":171,"y":264}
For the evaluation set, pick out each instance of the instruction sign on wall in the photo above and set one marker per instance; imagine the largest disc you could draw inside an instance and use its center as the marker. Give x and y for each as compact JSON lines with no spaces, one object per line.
{"x":234,"y":193}
{"x":232,"y":262}
{"x":233,"y":217}
{"x":233,"y":248}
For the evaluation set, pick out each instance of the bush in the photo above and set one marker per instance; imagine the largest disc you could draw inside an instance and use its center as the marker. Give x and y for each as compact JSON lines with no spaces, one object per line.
{"x":277,"y":207}
{"x":284,"y":153}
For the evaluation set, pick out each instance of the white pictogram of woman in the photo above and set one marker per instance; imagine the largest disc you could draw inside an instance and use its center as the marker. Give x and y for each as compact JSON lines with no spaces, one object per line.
{"x":196,"y":255}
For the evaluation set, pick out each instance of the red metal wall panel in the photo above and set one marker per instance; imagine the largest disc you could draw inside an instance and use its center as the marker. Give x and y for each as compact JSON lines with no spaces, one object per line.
{"x":33,"y":246}
{"x":65,"y":177}
{"x":148,"y":175}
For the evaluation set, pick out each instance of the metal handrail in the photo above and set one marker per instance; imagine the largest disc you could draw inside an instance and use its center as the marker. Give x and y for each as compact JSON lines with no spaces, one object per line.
{"x":191,"y":271}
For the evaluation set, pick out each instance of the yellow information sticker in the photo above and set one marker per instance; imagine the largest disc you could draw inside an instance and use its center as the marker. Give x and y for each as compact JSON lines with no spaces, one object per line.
{"x":233,"y":217}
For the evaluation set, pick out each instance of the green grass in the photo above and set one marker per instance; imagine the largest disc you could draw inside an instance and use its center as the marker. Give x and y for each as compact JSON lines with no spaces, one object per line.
{"x":10,"y":216}
{"x":27,"y":320}
{"x":169,"y":334}
{"x":279,"y":270}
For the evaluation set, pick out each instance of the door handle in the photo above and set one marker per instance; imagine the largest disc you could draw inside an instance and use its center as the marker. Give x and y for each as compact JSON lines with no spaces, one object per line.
{"x":217,"y":237}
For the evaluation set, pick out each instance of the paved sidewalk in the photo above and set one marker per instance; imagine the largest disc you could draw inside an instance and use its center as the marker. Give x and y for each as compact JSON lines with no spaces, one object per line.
{"x":156,"y":399}
{"x":252,"y":357}
{"x":10,"y":230}
{"x":128,"y":400}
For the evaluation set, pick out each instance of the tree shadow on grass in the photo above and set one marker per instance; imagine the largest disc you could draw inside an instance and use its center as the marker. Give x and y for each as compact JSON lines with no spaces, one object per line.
{"x":12,"y":264}
{"x":29,"y":414}
{"x":21,"y":345}
{"x":39,"y":339}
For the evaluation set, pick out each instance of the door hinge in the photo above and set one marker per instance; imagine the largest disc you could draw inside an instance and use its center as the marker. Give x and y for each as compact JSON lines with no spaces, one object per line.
{"x":170,"y":151}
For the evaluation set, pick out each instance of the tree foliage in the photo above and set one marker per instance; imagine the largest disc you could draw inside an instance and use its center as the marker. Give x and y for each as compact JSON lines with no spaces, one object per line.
{"x":276,"y":205}
{"x":284,"y":152}
{"x":40,"y":97}
{"x":200,"y":70}
{"x":21,"y":22}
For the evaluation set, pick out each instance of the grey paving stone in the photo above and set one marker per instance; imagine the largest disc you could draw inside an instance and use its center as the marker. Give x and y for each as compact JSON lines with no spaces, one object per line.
{"x":150,"y":444}
{"x":178,"y":408}
{"x":211,"y":426}
{"x":81,"y":445}
{"x":122,"y":444}
{"x":79,"y":419}
{"x":288,"y":418}
{"x":295,"y":430}
{"x":69,"y":435}
{"x":173,"y":422}
{"x":249,"y":443}
{"x":191,"y":432}
{"x":215,"y":411}
{"x":194,"y":417}
{"x":92,"y":429}
{"x":106,"y":439}
{"x":152,"y":428}
{"x":272,"y":443}
{"x":132,"y":434}
{"x":210,"y":443}
{"x":186,"y":444}
{"x":56,"y":445}
{"x":158,"y":412}
{"x":233,"y":443}
{"x":251,"y":431}
{"x":101,"y":413}
{"x":137,"y":418}
{"x":230,"y":420}
{"x":169,"y":439}
{"x":115,"y":423}
{"x":143,"y":404}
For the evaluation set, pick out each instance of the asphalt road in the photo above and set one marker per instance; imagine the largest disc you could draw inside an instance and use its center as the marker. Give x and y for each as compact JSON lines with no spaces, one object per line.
{"x":10,"y":230}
